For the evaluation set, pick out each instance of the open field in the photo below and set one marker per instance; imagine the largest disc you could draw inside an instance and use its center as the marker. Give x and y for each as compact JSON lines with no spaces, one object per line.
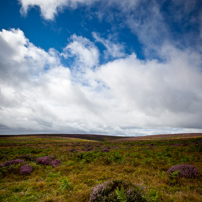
{"x":90,"y":160}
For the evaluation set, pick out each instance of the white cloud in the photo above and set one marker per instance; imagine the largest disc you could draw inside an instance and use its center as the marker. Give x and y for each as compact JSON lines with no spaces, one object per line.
{"x":122,"y":97}
{"x":50,"y":8}
{"x":19,"y":58}
{"x":153,"y":93}
{"x":179,"y":23}
{"x":115,"y":50}
{"x":86,"y":53}
{"x":148,"y":20}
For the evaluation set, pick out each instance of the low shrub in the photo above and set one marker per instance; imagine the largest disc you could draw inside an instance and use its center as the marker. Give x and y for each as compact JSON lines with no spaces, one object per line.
{"x":45,"y":160}
{"x":117,"y":190}
{"x":105,"y":149}
{"x":113,"y":157}
{"x":26,"y":170}
{"x":66,"y":184}
{"x":10,"y":167}
{"x":74,"y":150}
{"x":89,"y":156}
{"x":55,"y":163}
{"x":184,"y":170}
{"x":13,"y":162}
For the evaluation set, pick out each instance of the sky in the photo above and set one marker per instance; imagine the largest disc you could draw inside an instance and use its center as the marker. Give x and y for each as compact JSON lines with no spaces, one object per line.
{"x":110,"y":67}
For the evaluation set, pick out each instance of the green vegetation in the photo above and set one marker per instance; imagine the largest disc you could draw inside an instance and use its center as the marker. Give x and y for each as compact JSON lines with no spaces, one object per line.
{"x":87,"y":163}
{"x":121,"y":195}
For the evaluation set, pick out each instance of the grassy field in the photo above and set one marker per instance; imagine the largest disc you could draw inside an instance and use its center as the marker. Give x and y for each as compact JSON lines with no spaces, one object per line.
{"x":87,"y":163}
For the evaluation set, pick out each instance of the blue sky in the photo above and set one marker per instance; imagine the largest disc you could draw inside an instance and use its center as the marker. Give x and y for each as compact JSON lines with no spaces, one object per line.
{"x":116,"y":67}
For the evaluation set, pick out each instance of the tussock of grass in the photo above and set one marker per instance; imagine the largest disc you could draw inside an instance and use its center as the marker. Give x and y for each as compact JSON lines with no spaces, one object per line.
{"x":87,"y":163}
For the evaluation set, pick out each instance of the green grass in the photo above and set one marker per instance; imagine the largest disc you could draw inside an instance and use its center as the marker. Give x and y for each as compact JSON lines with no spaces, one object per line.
{"x":141,"y":162}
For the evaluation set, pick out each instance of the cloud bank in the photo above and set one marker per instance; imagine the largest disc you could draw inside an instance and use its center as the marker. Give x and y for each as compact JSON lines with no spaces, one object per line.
{"x":125,"y":96}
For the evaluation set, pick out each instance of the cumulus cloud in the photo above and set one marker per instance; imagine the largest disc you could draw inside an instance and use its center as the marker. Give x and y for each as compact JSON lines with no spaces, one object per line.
{"x":86,"y":53}
{"x":126,"y":96}
{"x":153,"y":93}
{"x":19,"y":58}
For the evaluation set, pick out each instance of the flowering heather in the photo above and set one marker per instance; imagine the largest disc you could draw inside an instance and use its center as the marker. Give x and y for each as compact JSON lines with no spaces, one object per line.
{"x":185,"y":170}
{"x":89,"y":149}
{"x":55,"y":163}
{"x":13,"y":162}
{"x":26,"y":170}
{"x":105,"y":192}
{"x":105,"y":150}
{"x":45,"y":160}
{"x":178,"y":145}
{"x":73,"y":150}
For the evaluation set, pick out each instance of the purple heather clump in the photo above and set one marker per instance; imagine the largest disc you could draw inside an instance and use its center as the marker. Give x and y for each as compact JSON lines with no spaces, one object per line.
{"x":26,"y":170}
{"x":73,"y":150}
{"x":13,"y":162}
{"x":150,"y":145}
{"x":45,"y":160}
{"x":185,"y":170}
{"x":179,"y":144}
{"x":105,"y":150}
{"x":55,"y":163}
{"x":89,"y":149}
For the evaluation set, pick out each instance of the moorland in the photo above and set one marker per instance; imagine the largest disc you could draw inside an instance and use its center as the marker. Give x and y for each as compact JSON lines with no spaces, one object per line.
{"x":68,"y":167}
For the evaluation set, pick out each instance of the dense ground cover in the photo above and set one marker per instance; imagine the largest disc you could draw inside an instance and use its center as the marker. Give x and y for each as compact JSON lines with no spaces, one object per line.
{"x":86,"y":163}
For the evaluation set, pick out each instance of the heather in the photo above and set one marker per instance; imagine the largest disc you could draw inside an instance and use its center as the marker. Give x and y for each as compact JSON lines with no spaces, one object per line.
{"x":184,"y":170}
{"x":114,"y":190}
{"x":53,"y":168}
{"x":26,"y":170}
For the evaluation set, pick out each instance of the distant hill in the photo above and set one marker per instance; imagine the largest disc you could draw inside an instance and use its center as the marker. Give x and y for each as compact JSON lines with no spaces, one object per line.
{"x":79,"y":136}
{"x":117,"y":138}
{"x":163,"y":137}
